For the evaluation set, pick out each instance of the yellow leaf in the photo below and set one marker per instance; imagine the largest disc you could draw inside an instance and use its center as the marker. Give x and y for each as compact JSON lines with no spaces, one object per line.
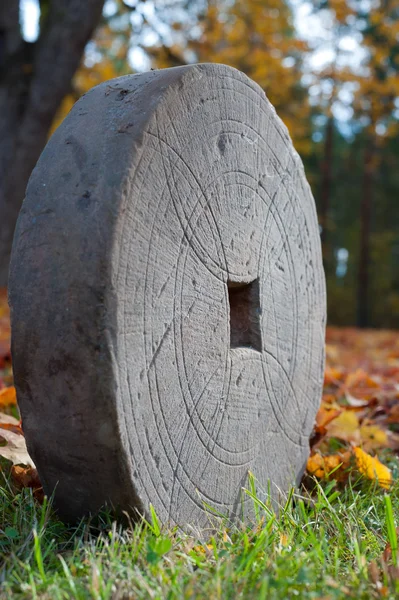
{"x":345,"y":427}
{"x":372,"y":468}
{"x":374,"y":437}
{"x":284,"y":539}
{"x":206,"y":549}
{"x":8,"y":396}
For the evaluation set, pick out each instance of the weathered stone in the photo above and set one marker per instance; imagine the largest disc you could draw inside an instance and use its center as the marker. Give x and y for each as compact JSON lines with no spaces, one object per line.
{"x":167,"y":298}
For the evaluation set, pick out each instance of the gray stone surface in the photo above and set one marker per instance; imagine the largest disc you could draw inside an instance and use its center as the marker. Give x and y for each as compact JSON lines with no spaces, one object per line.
{"x":167,"y":298}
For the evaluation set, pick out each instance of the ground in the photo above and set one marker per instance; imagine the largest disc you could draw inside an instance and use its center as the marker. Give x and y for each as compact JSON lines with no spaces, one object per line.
{"x":335,"y":537}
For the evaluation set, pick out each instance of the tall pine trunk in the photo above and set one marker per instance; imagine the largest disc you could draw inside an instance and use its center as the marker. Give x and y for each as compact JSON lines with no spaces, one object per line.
{"x":34,"y":78}
{"x":325,"y":191}
{"x":363,"y":284}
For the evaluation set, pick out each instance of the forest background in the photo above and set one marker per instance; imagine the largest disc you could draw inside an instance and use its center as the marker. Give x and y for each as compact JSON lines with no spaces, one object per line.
{"x":330,"y":67}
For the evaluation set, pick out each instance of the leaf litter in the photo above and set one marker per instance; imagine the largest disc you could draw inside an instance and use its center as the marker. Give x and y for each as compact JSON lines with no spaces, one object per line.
{"x":358,"y":420}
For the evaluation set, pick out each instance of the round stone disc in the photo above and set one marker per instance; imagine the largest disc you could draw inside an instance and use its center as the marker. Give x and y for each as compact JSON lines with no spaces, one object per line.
{"x":167,"y":299}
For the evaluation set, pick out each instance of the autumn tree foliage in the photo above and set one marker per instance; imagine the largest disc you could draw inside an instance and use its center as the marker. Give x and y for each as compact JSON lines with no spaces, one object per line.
{"x":256,"y":37}
{"x":355,"y":189}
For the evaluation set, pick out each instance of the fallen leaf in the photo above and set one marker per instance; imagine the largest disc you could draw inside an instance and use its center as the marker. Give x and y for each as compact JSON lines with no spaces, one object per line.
{"x":8,"y":396}
{"x":355,"y":402}
{"x":11,"y":427}
{"x":324,"y":417}
{"x":373,"y":437}
{"x":332,"y":353}
{"x":333,"y":376}
{"x":321,"y":466}
{"x":354,"y":378}
{"x":374,"y":573}
{"x":10,"y":423}
{"x":360,"y":378}
{"x":393,"y":415}
{"x":372,"y":468}
{"x":329,"y":398}
{"x":27,"y":477}
{"x":206,"y":549}
{"x":284,"y":539}
{"x":12,"y":444}
{"x":4,"y":329}
{"x":345,"y":427}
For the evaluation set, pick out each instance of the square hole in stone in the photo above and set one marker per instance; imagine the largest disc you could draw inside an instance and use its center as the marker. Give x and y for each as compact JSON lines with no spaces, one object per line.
{"x":245,"y":311}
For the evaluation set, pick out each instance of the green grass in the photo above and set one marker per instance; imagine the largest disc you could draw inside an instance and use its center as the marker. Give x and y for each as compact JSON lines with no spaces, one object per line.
{"x":326,"y":546}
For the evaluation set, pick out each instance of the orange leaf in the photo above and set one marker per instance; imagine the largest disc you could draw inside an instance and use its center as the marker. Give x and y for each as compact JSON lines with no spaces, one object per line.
{"x":329,"y":398}
{"x":332,"y":376}
{"x":360,"y":385}
{"x":353,"y":379}
{"x":393,"y":416}
{"x":12,"y":427}
{"x":321,"y":466}
{"x":372,"y":468}
{"x":8,"y":396}
{"x":324,"y":416}
{"x":27,"y":477}
{"x":4,"y":328}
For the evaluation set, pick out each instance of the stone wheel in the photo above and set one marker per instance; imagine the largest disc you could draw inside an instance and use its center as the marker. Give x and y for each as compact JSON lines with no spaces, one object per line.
{"x":167,"y":299}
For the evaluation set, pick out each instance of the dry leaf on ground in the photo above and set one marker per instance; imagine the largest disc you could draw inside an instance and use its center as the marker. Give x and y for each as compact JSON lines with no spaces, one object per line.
{"x":4,"y":328}
{"x":360,"y":404}
{"x":322,"y":466}
{"x":345,"y":427}
{"x":27,"y":477}
{"x":8,"y":396}
{"x":373,"y":437}
{"x":372,"y":468}
{"x":12,"y":443}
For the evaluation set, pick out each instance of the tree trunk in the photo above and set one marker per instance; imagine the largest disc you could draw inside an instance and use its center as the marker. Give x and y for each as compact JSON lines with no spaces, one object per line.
{"x":34,"y":78}
{"x":325,"y":194}
{"x":364,"y":248}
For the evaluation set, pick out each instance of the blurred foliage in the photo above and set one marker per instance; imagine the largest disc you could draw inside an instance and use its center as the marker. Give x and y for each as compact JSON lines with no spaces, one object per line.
{"x":351,"y":160}
{"x":258,"y":38}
